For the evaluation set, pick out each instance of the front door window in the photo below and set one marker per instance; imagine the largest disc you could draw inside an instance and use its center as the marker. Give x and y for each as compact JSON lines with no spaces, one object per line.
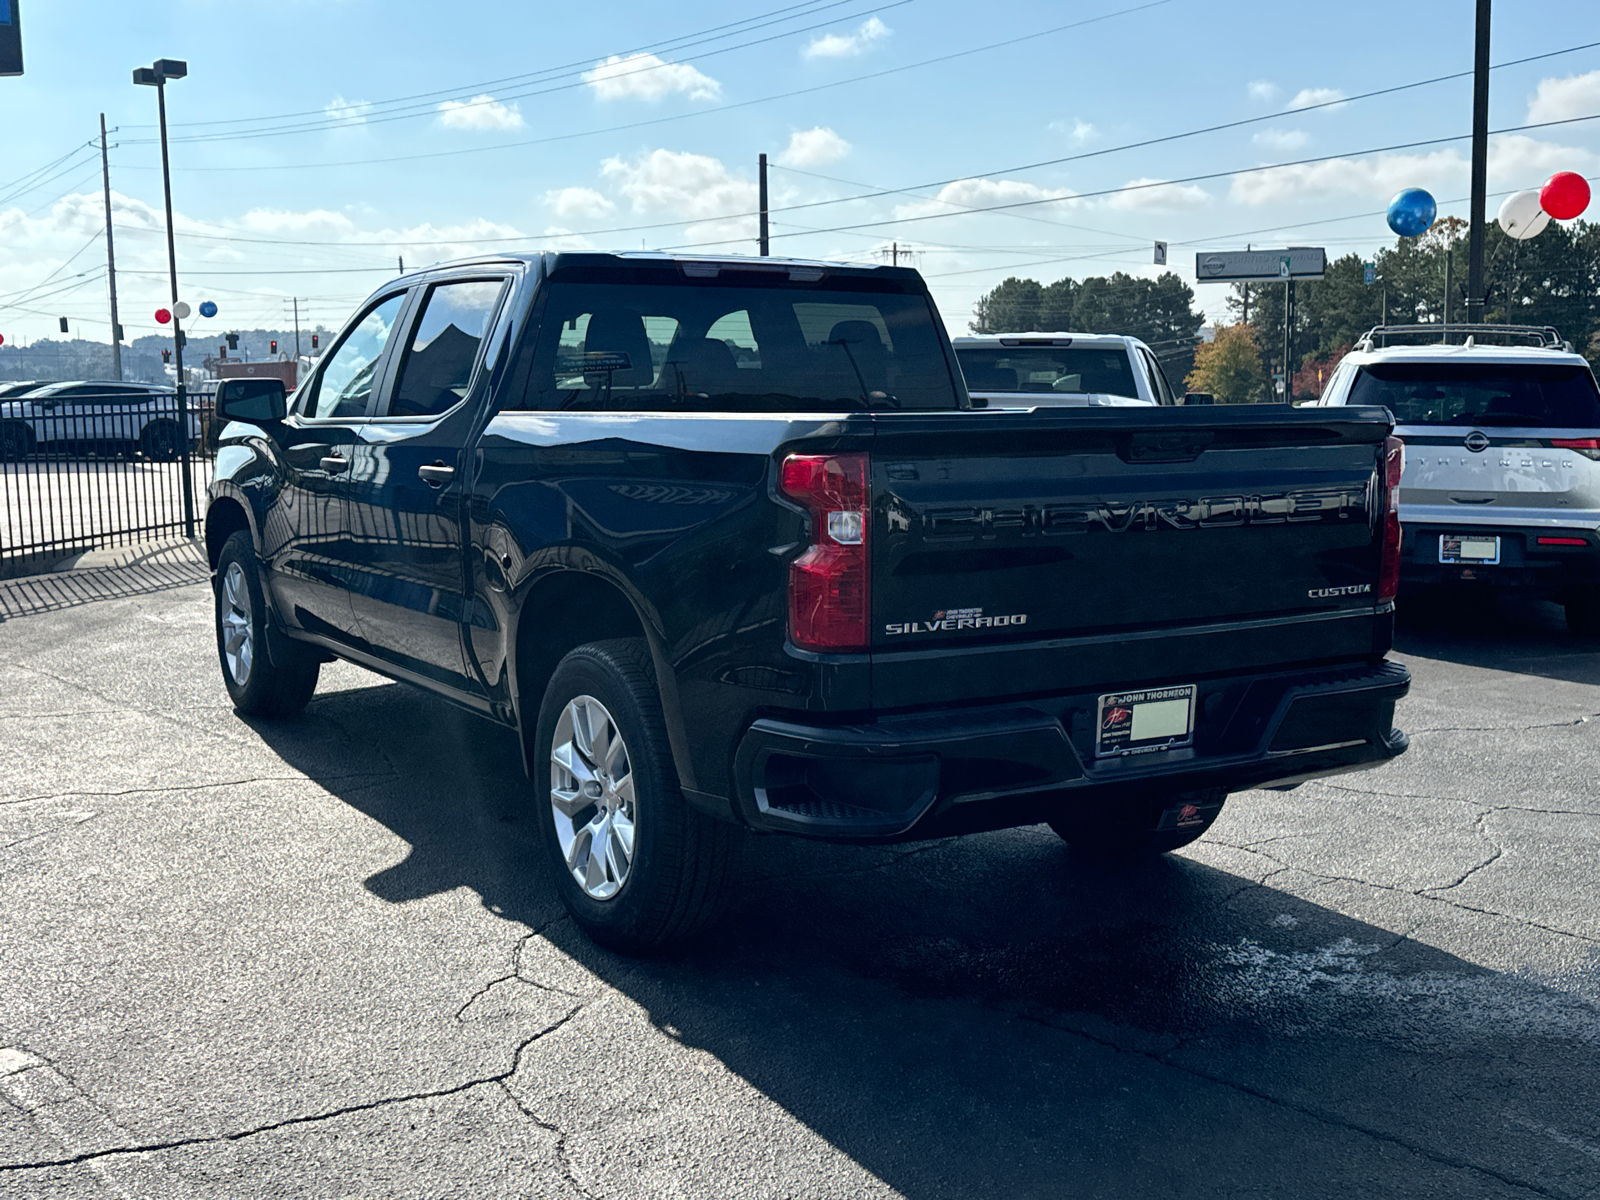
{"x":350,"y":373}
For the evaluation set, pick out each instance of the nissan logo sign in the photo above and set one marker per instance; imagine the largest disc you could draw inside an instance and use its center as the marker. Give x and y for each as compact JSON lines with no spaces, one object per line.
{"x":1477,"y":442}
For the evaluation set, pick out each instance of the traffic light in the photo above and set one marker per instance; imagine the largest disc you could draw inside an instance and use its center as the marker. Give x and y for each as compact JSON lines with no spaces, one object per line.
{"x":313,"y":341}
{"x":166,"y":356}
{"x":63,"y":324}
{"x":222,"y":352}
{"x":274,"y":345}
{"x":233,"y":341}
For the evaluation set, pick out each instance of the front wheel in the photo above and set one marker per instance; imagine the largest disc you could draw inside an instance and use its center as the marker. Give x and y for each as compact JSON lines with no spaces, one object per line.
{"x":16,"y":442}
{"x":161,"y":441}
{"x":637,"y":868}
{"x":1139,"y":830}
{"x":257,"y":686}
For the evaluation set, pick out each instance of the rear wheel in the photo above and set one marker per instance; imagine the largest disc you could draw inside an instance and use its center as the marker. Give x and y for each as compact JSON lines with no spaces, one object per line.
{"x":161,"y":441}
{"x":1142,"y":829}
{"x":1583,"y":613}
{"x":16,"y":442}
{"x":257,"y":686}
{"x":637,"y":868}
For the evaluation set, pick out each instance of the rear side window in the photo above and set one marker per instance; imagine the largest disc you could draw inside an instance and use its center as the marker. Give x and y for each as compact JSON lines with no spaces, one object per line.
{"x":1049,"y":369}
{"x":438,"y":364}
{"x":684,"y":345}
{"x":1528,"y":395}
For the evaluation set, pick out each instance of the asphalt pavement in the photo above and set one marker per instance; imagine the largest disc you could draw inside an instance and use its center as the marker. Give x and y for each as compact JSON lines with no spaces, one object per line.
{"x":317,"y":958}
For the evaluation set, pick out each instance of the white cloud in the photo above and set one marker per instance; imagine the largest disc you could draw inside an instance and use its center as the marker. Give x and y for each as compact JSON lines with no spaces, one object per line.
{"x":1559,"y":99}
{"x":1306,"y":97}
{"x":1281,"y":140}
{"x":813,"y":148}
{"x":1080,"y":131}
{"x":481,"y":112}
{"x":847,"y":45}
{"x":1165,"y":196}
{"x":1515,"y":160}
{"x":349,"y":112}
{"x":578,"y":202}
{"x":1264,"y":91}
{"x":981,"y":193}
{"x":695,"y":187}
{"x":646,"y":77}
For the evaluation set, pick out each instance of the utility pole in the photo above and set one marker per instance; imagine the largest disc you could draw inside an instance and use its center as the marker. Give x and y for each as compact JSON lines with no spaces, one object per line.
{"x":1245,"y":317}
{"x":894,"y":251}
{"x":156,"y":76}
{"x":762,"y":172}
{"x":1449,"y":283}
{"x":401,"y":258}
{"x":1288,"y":340}
{"x":111,"y":257}
{"x":297,"y":329}
{"x":1480,"y":165}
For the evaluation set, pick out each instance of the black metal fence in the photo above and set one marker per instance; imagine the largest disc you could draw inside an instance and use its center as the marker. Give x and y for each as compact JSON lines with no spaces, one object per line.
{"x":88,"y":467}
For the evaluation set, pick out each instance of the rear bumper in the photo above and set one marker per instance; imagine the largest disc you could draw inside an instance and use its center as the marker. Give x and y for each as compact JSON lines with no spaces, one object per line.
{"x":954,"y":770}
{"x":1549,"y":569}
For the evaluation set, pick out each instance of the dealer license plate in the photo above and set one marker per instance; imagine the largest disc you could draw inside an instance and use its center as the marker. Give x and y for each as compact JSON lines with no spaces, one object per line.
{"x":1454,"y":548}
{"x":1142,"y":722}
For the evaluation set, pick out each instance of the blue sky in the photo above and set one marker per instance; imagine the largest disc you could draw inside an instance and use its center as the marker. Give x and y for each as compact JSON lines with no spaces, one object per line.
{"x":346,"y":133}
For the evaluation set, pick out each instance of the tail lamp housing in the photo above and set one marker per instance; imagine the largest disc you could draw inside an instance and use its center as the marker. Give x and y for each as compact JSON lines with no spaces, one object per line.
{"x":1588,"y":447}
{"x":830,"y":584}
{"x":1394,"y":466}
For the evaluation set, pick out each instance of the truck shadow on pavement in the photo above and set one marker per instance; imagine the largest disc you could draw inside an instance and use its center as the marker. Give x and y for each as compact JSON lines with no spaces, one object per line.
{"x":1517,"y":634}
{"x":984,"y":1017}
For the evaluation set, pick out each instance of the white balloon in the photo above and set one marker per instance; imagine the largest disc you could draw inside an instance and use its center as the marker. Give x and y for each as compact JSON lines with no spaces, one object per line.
{"x":1521,"y":217}
{"x":182,"y":310}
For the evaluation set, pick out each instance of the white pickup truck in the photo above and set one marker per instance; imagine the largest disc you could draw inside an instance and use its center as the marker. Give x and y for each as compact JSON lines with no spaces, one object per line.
{"x":1061,"y":370}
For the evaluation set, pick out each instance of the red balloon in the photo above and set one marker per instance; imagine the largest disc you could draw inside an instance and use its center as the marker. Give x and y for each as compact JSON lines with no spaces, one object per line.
{"x":162,"y":316}
{"x":1564,"y":195}
{"x":2,"y":340}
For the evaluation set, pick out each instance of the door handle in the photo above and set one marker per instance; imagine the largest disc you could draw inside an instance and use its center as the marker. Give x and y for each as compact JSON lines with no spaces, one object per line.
{"x":333,"y":464}
{"x":436,"y":474}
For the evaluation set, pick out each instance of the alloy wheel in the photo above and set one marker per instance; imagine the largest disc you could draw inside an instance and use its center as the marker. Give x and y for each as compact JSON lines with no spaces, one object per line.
{"x":592,"y":797}
{"x":238,"y":638}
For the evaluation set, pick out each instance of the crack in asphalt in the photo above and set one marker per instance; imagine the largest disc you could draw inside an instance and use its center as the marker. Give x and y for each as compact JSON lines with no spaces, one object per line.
{"x":157,"y":714}
{"x":1165,"y":1059}
{"x":499,"y":1078}
{"x":1506,"y":728}
{"x":563,"y":1160}
{"x":1421,"y":894}
{"x":516,"y":974}
{"x":193,"y":787}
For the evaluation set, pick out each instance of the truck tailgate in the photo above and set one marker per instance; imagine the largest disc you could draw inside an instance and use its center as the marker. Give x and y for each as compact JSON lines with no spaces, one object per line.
{"x":1069,"y":549}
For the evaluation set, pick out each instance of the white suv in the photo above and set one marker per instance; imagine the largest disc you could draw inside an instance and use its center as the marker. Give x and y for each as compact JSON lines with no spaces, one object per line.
{"x":1502,"y":471}
{"x":1032,"y":370}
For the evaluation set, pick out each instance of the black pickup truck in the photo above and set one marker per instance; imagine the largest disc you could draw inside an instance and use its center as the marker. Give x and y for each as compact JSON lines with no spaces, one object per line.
{"x":728,"y":543}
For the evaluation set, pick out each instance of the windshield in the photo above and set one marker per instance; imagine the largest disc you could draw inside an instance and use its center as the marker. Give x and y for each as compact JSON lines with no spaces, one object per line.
{"x":702,"y":346}
{"x":1531,"y":395}
{"x":1049,"y":369}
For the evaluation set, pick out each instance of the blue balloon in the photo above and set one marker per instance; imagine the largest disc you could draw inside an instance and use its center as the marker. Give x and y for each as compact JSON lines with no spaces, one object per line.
{"x":208,"y":308}
{"x":1412,"y":212}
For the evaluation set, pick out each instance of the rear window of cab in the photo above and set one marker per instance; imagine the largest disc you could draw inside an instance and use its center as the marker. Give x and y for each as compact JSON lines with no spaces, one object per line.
{"x":1524,"y":395}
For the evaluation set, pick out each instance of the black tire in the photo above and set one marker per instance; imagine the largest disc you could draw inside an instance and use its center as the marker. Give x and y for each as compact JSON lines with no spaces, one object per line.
{"x":680,"y":858}
{"x":1583,"y":613}
{"x":1141,"y":830}
{"x":161,"y":441}
{"x":16,"y":442}
{"x":267,"y":689}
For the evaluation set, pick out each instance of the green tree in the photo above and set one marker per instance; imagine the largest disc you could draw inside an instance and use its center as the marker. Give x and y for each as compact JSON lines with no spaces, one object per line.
{"x":1229,"y":367}
{"x":1159,"y":312}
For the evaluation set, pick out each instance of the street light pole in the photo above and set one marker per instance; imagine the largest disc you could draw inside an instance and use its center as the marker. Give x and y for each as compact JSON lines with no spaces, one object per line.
{"x":1480,"y":165}
{"x":157,"y":75}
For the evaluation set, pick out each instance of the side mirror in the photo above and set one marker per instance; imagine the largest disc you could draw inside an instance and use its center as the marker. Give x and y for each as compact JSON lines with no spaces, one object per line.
{"x":1198,"y":398}
{"x":253,"y":400}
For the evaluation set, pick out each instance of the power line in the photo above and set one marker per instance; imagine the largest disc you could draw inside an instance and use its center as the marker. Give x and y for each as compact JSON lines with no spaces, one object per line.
{"x":429,"y":108}
{"x":1142,"y":187}
{"x":722,"y":108}
{"x":667,"y":44}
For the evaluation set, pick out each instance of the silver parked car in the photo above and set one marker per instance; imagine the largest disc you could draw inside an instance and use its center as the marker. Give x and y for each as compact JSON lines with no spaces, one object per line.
{"x":1061,"y":370}
{"x":1502,"y":473}
{"x":80,"y":417}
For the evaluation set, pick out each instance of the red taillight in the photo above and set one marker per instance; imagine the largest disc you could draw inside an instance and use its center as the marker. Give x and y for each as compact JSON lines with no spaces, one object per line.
{"x":1562,"y":541}
{"x":1588,"y":447}
{"x":1394,"y":466}
{"x":830,"y":584}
